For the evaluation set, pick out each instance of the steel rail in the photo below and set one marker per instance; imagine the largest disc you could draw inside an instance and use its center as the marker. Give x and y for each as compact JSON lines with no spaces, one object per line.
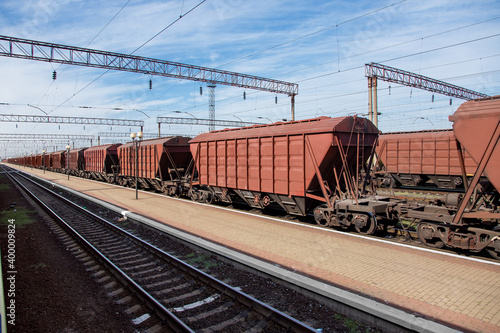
{"x":172,"y":320}
{"x":267,"y":311}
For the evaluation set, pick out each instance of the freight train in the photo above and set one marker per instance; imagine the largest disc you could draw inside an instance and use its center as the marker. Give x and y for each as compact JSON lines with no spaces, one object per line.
{"x":314,"y":167}
{"x":429,"y":159}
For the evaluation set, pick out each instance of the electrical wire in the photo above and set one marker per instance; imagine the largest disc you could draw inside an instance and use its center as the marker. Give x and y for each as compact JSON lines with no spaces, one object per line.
{"x":146,"y":42}
{"x":389,"y":46}
{"x":168,"y":26}
{"x":125,"y":5}
{"x":313,"y":33}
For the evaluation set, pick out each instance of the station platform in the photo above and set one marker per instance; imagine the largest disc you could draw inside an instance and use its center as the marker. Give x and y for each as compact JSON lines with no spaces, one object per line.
{"x":459,"y":292}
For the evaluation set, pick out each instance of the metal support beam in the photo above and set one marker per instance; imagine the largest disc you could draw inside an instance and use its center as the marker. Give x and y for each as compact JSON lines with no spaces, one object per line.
{"x":63,"y":54}
{"x":211,"y":106}
{"x":370,"y":99}
{"x":375,"y":101}
{"x":391,"y":74}
{"x":46,"y":136}
{"x":127,"y":135}
{"x":192,"y":121}
{"x":69,"y":120}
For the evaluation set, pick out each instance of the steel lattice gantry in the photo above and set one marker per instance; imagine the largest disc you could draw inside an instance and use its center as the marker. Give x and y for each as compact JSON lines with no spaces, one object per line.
{"x":35,"y":50}
{"x":374,"y":71}
{"x":71,"y":120}
{"x":36,"y":142}
{"x":210,"y":122}
{"x":47,"y":136}
{"x":127,"y":135}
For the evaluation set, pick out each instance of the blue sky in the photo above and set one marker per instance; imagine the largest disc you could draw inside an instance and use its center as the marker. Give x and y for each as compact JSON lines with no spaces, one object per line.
{"x":321,"y":45}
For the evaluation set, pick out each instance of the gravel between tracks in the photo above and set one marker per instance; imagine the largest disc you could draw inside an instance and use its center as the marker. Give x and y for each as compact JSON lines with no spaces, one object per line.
{"x":56,"y":294}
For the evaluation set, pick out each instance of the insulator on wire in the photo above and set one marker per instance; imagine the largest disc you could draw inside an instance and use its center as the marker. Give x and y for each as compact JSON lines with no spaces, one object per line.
{"x":150,"y":84}
{"x":201,"y":91}
{"x":389,"y":90}
{"x":276,"y":100}
{"x":432,"y":98}
{"x":450,"y":101}
{"x":54,"y":75}
{"x":244,"y":95}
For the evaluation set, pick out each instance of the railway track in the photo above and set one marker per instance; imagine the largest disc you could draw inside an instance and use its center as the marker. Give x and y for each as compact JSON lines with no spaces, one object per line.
{"x":168,"y":294}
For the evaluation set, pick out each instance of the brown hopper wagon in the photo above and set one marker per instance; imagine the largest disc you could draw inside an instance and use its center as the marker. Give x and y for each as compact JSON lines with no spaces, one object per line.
{"x":423,"y":158}
{"x":472,"y":226}
{"x":101,"y":162}
{"x":46,"y":160}
{"x":76,"y":162}
{"x":301,"y":166}
{"x":161,"y":163}
{"x":37,"y":160}
{"x":58,"y":159}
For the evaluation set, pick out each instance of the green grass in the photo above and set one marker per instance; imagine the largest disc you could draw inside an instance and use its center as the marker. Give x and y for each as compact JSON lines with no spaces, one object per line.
{"x":39,"y":265}
{"x":200,"y":261}
{"x":409,"y":225}
{"x":20,"y":215}
{"x":353,"y":326}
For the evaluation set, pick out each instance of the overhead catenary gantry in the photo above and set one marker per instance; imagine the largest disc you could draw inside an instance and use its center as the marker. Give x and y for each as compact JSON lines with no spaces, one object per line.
{"x":72,"y":137}
{"x":41,"y":141}
{"x":127,"y":135}
{"x":70,"y":120}
{"x":49,"y":52}
{"x":12,"y":146}
{"x":197,"y":121}
{"x":374,"y":71}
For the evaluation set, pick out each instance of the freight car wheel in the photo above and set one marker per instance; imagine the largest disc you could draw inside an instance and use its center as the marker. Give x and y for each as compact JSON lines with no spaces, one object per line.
{"x":427,"y":235}
{"x":365,"y":224}
{"x":321,"y":216}
{"x":494,"y":250}
{"x":494,"y":254}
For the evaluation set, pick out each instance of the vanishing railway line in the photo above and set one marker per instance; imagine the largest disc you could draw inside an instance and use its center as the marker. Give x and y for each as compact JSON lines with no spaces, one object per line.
{"x":180,"y":297}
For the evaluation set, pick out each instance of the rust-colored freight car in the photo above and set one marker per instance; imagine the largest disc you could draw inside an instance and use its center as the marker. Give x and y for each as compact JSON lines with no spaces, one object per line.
{"x":296,"y":165}
{"x":76,"y":162}
{"x":476,"y":125}
{"x":46,"y":161}
{"x":423,"y":158}
{"x":37,"y":161}
{"x":161,"y":163}
{"x":58,"y":160}
{"x":474,"y":224}
{"x":101,"y":162}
